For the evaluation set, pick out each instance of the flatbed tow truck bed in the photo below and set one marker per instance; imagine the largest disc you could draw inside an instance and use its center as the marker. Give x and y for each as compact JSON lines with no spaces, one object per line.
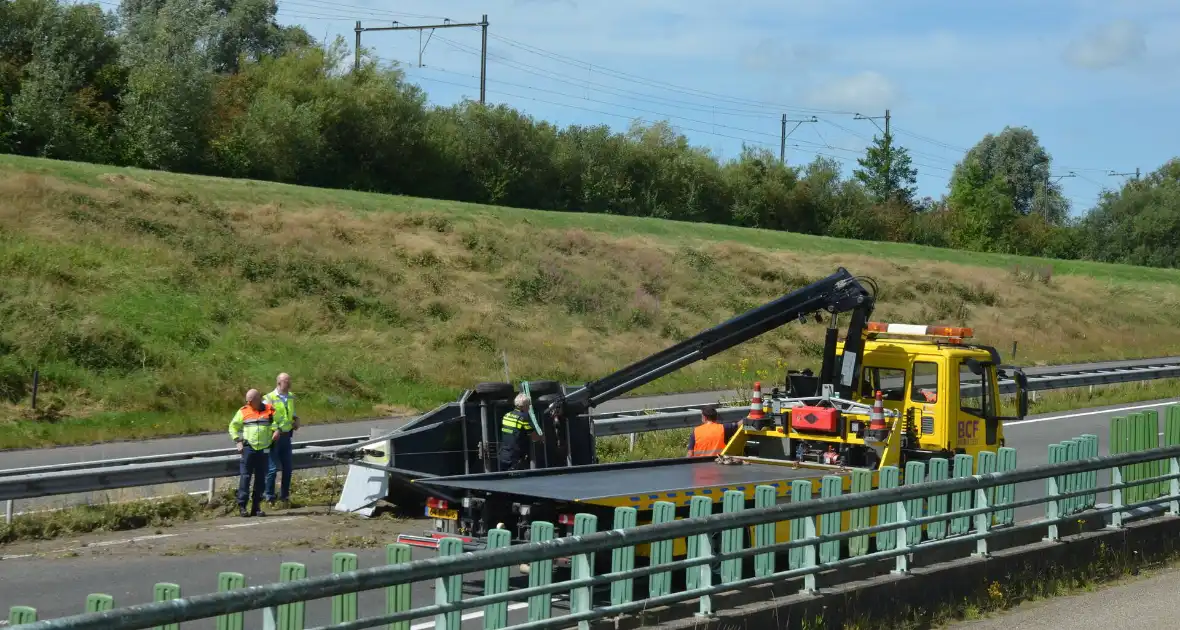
{"x":636,"y":484}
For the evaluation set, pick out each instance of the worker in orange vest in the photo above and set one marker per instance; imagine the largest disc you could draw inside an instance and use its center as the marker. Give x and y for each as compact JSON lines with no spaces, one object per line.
{"x":709,"y":438}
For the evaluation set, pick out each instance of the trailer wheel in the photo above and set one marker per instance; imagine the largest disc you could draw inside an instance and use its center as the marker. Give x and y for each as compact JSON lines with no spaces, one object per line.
{"x":547,"y":399}
{"x":544,"y":388}
{"x":495,"y":391}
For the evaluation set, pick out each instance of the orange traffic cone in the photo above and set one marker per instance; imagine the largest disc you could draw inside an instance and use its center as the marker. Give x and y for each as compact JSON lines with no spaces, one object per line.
{"x":877,"y":429}
{"x":756,"y":404}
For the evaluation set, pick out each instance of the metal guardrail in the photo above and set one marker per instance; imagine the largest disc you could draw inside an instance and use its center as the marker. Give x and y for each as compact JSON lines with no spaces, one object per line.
{"x":627,"y":422}
{"x":910,"y":518}
{"x":112,"y":474}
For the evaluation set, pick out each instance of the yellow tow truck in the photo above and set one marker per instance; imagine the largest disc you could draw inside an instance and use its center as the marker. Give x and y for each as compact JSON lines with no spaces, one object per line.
{"x":938,"y":396}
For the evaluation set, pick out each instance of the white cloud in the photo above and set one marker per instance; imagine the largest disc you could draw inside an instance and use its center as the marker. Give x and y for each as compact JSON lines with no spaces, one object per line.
{"x":865,"y":91}
{"x":1114,"y":44}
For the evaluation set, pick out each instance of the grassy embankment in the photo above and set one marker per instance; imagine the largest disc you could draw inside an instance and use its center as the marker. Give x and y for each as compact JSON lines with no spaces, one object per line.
{"x":150,"y":301}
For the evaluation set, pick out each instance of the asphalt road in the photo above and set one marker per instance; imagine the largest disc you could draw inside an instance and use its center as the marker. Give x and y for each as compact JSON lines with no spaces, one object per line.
{"x":58,"y":586}
{"x":1137,"y":603}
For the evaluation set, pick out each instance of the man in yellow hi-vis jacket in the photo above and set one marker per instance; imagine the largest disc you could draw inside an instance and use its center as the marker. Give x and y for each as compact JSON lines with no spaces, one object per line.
{"x":253,"y":428}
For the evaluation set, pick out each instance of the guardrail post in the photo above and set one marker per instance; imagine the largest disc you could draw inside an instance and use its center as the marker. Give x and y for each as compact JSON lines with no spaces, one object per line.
{"x":397,"y":597}
{"x":831,"y":486}
{"x":915,"y":473}
{"x":449,"y":589}
{"x":986,"y":465}
{"x":982,"y":521}
{"x":809,"y":555}
{"x":1071,"y":480}
{"x":764,"y":497}
{"x":21,"y":614}
{"x":860,"y":518}
{"x":583,"y":569}
{"x":163,"y":592}
{"x":495,"y":581}
{"x":1005,"y":494}
{"x":661,"y":552}
{"x":1116,"y":498}
{"x":228,"y":581}
{"x":344,"y":607}
{"x":939,"y":471}
{"x":1152,"y":437}
{"x":887,"y":512}
{"x":99,"y":602}
{"x":1090,"y":450}
{"x":732,"y":539}
{"x":540,"y":573}
{"x":960,"y":501}
{"x":1052,"y":490}
{"x":623,"y":559}
{"x":1172,"y":438}
{"x":700,"y":546}
{"x":8,"y":510}
{"x":288,"y":616}
{"x":800,"y":491}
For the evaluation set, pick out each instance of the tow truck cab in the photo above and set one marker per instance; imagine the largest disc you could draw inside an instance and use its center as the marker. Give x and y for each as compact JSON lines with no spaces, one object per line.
{"x":945,"y":390}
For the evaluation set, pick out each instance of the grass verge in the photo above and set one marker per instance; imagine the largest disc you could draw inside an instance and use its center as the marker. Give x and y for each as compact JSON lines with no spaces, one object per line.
{"x":150,"y":301}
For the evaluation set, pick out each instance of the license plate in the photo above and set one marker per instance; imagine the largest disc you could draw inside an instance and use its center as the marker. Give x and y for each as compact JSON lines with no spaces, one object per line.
{"x":450,"y":515}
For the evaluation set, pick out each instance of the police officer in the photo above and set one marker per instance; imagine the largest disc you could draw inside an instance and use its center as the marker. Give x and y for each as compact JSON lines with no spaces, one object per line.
{"x":253,"y":428}
{"x":514,"y":428}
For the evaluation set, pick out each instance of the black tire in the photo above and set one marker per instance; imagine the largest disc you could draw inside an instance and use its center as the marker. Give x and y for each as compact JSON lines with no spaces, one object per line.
{"x":544,"y":388}
{"x":546,"y":400}
{"x":495,"y":391}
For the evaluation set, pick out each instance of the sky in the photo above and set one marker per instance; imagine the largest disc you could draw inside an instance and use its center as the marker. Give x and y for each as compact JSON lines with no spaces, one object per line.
{"x":1095,"y":80}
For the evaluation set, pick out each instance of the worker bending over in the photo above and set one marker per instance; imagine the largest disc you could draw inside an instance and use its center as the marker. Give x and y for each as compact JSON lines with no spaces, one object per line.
{"x":514,"y":428}
{"x":709,"y":438}
{"x":253,"y":428}
{"x":283,"y":402}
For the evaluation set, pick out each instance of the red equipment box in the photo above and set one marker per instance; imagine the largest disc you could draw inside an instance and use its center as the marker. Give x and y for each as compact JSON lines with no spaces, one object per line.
{"x":817,"y":419}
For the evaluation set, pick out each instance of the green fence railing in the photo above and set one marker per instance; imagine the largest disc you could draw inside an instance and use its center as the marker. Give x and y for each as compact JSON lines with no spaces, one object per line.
{"x":933,"y":504}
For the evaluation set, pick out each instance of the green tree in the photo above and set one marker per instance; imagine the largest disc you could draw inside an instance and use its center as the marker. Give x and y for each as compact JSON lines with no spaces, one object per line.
{"x":1016,"y":157}
{"x":60,"y":77}
{"x":1138,"y":224}
{"x":169,"y":91}
{"x":887,"y":172}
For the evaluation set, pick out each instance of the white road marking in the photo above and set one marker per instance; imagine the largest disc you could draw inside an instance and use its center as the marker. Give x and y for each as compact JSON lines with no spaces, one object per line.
{"x":263,"y":521}
{"x":426,"y":625}
{"x":125,"y":541}
{"x":1089,"y":413}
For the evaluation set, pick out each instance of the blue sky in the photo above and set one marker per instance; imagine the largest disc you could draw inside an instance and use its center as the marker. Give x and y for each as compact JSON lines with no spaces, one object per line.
{"x":1097,"y":81}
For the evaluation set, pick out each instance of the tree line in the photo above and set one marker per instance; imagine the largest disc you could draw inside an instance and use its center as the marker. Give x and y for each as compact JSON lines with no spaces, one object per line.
{"x":218,"y":87}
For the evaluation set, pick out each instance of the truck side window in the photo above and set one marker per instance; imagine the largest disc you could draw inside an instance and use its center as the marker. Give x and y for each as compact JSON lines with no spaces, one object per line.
{"x":925,"y":387}
{"x":975,"y":392}
{"x":891,"y":382}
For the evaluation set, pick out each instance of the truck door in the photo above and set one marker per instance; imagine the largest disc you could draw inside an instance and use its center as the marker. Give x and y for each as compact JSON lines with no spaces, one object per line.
{"x":978,"y":417}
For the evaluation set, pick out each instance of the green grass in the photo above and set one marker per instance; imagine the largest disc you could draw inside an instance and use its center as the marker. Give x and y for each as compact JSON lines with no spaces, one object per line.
{"x":150,"y":302}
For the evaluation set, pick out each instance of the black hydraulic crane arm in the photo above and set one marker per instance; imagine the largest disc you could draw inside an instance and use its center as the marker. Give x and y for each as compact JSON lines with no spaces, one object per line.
{"x":838,"y":293}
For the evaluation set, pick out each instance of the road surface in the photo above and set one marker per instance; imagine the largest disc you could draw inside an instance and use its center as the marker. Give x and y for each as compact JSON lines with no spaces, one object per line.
{"x":1148,"y":601}
{"x":58,"y":583}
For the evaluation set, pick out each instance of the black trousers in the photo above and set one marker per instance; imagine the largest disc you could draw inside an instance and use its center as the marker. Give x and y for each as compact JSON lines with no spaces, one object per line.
{"x":252,"y":468}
